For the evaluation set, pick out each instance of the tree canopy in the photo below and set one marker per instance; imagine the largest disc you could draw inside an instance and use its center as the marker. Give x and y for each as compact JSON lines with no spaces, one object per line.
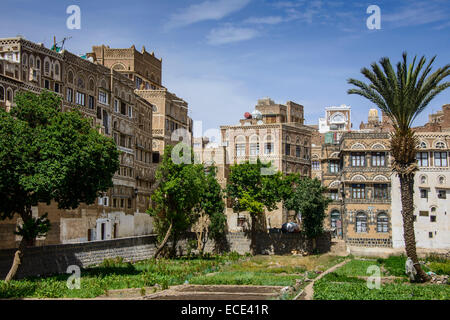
{"x":250,"y":189}
{"x":309,"y":199}
{"x":179,"y":191}
{"x":46,"y":155}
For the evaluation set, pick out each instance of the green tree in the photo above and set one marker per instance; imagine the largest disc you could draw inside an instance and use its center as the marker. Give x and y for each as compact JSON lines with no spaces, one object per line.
{"x":211,"y":216}
{"x":253,"y":191}
{"x":308,"y":197}
{"x":402,"y":96}
{"x":48,"y":155}
{"x":174,"y":200}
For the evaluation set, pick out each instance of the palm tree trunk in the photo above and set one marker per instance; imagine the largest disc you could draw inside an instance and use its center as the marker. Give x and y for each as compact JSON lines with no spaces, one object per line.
{"x":163,"y":243}
{"x":407,"y":191}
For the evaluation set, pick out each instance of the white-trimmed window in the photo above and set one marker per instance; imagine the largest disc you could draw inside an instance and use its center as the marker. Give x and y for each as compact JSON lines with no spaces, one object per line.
{"x":254,"y":146}
{"x":102,"y":97}
{"x":378,"y":159}
{"x":268,"y":145}
{"x":440,"y":159}
{"x":358,"y":191}
{"x":315,"y":165}
{"x":80,"y":98}
{"x":358,"y":159}
{"x":422,"y":159}
{"x":361,"y":222}
{"x":116,"y":106}
{"x":69,"y":95}
{"x":240,"y":146}
{"x":382,"y":223}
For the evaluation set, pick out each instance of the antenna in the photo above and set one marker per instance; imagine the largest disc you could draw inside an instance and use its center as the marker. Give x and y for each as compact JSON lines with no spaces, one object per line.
{"x":62,"y":42}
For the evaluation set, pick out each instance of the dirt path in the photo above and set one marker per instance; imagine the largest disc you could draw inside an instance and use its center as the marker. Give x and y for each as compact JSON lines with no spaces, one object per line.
{"x":308,"y":292}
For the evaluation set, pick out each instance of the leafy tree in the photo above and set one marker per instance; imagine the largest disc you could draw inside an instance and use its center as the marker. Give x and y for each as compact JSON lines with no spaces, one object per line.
{"x":252,"y":191}
{"x":308,"y":197}
{"x":48,"y":155}
{"x":212,"y":220}
{"x":180,"y":188}
{"x":402,"y":96}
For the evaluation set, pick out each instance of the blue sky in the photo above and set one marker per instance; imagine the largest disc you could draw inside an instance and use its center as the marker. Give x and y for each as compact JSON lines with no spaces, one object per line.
{"x":222,"y":55}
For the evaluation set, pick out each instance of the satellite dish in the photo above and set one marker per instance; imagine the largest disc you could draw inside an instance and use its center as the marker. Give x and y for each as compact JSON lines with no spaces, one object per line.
{"x":257,"y":115}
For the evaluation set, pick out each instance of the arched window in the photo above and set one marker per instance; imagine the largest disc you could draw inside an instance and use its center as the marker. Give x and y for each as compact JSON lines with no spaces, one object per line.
{"x":57,"y":69}
{"x":335,"y":217}
{"x":70,"y":77}
{"x":240,"y":146}
{"x":268,"y":144}
{"x":382,"y":223}
{"x":422,"y":145}
{"x":9,"y":95}
{"x":2,"y":93}
{"x":423,"y":179}
{"x":80,"y":82}
{"x":31,"y":62}
{"x":305,"y":171}
{"x":103,"y":84}
{"x":254,"y":145}
{"x":440,"y":145}
{"x":361,"y":222}
{"x":38,"y":63}
{"x":91,"y":85}
{"x":24,"y":60}
{"x":441,"y":179}
{"x":47,"y":67}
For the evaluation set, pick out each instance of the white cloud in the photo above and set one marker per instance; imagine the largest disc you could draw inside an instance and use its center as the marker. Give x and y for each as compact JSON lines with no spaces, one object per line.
{"x":207,"y":10}
{"x":415,"y":14}
{"x":264,"y":20}
{"x":230,"y":34}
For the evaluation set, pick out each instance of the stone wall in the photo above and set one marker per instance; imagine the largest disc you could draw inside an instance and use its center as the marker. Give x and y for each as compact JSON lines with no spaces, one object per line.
{"x":52,"y":259}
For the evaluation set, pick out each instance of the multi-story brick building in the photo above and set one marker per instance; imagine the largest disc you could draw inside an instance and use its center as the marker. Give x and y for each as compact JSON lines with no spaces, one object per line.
{"x":366,"y":189}
{"x":107,"y":97}
{"x":170,"y":113}
{"x":366,"y":206}
{"x":273,"y":133}
{"x":355,"y":167}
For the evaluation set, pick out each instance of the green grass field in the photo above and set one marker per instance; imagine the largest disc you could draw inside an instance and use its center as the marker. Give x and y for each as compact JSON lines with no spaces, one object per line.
{"x":347,"y":283}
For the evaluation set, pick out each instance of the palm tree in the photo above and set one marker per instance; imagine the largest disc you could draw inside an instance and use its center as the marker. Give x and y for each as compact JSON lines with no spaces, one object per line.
{"x":402,"y":96}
